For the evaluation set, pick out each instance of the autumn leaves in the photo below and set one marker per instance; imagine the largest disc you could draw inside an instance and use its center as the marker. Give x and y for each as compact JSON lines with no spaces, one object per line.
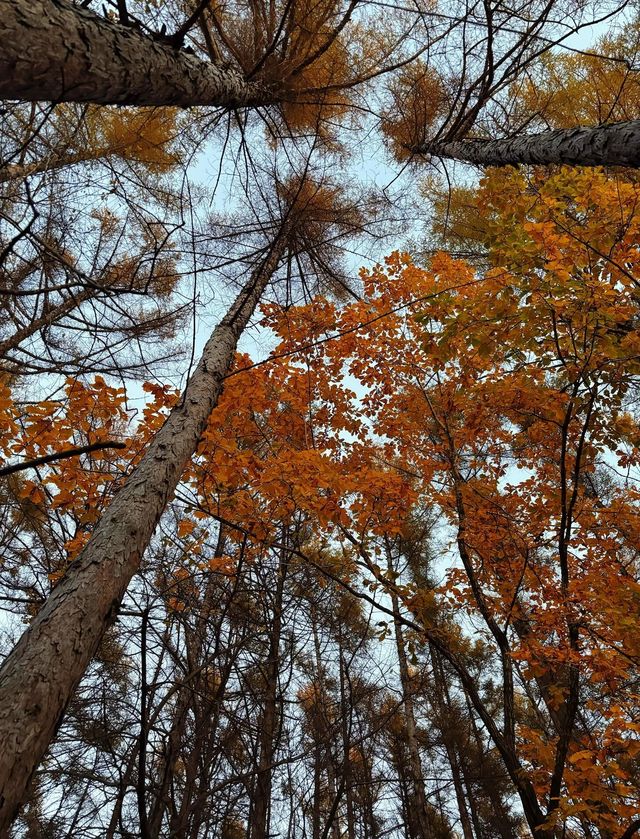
{"x":498,"y":399}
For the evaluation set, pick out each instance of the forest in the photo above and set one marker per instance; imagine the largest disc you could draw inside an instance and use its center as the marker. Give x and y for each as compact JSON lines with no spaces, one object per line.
{"x":319,"y":419}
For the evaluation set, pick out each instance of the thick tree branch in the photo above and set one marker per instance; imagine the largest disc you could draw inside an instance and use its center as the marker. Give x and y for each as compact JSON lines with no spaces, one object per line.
{"x":55,"y":51}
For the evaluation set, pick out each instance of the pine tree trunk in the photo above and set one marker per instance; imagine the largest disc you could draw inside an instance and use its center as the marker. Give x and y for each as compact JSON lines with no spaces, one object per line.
{"x":56,"y":51}
{"x":39,"y":676}
{"x":346,"y":711}
{"x":444,"y":715}
{"x":420,"y":813}
{"x":604,"y":145}
{"x":269,"y":719}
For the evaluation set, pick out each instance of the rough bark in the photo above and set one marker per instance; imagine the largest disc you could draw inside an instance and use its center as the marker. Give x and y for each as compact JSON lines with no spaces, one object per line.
{"x":605,"y":145}
{"x":41,"y":673}
{"x":55,"y":51}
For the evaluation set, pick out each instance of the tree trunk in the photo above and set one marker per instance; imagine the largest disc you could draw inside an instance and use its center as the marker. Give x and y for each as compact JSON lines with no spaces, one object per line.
{"x":52,"y":163}
{"x":346,"y":713}
{"x":604,"y":145}
{"x":420,"y":814}
{"x":40,"y":675}
{"x":189,"y":694}
{"x":56,"y":51}
{"x":445,"y":715}
{"x":269,"y":719}
{"x":171,"y":753}
{"x":323,"y":733}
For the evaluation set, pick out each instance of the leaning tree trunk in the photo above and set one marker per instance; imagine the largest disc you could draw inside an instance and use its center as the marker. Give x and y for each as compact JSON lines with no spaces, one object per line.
{"x":56,"y":51}
{"x":604,"y":145}
{"x":40,"y":674}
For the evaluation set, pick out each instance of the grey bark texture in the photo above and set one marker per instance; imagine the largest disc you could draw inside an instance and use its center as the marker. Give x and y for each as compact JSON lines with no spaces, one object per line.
{"x":52,"y":50}
{"x":39,"y":676}
{"x":605,"y":145}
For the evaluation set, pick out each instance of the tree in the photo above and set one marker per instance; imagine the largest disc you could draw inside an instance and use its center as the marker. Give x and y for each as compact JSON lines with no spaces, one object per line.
{"x":605,"y":145}
{"x":99,"y":579}
{"x":107,"y":62}
{"x":531,"y":363}
{"x":475,"y":499}
{"x":294,"y":56}
{"x":599,"y":126}
{"x":89,"y":269}
{"x":250,"y":538}
{"x":62,"y":640}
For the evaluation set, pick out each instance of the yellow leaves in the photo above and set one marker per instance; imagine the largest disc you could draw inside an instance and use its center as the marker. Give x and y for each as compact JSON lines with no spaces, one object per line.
{"x":309,"y":696}
{"x":581,"y":89}
{"x":108,"y":221}
{"x":316,"y":206}
{"x":142,"y":135}
{"x":456,"y":217}
{"x":76,"y":544}
{"x":583,"y":758}
{"x":331,"y":564}
{"x":317,"y":93}
{"x":9,"y":425}
{"x":6,"y":400}
{"x":424,"y":606}
{"x":309,"y":53}
{"x":146,"y":136}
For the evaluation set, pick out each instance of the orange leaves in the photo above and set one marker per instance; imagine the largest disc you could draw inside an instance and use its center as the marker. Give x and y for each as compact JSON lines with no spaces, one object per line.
{"x":418,"y":98}
{"x":185,"y":528}
{"x":8,"y":420}
{"x":496,"y":399}
{"x":309,"y":53}
{"x":317,"y":92}
{"x":155,"y":411}
{"x":72,"y":492}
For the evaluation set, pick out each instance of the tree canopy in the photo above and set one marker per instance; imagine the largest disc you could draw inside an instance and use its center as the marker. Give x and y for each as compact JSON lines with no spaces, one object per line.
{"x":319,"y":429}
